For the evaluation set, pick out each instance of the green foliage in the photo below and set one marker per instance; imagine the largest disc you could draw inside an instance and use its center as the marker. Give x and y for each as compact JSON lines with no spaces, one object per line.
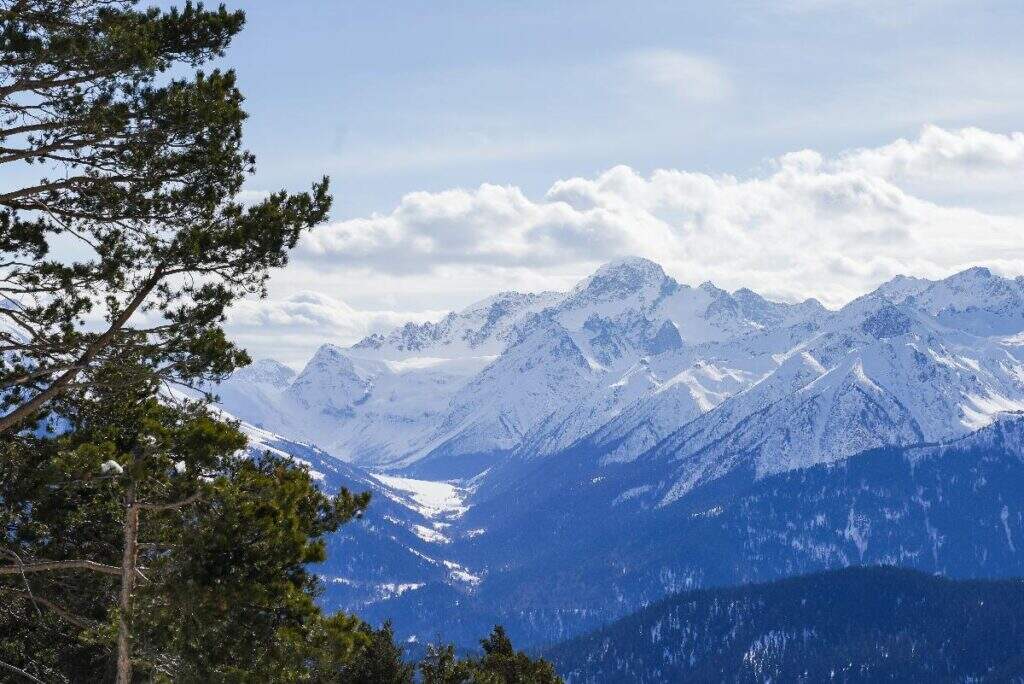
{"x":139,"y":164}
{"x":380,"y":660}
{"x":500,"y":664}
{"x":502,"y":661}
{"x":138,"y":171}
{"x":237,"y":601}
{"x":441,"y":666}
{"x":225,"y":542}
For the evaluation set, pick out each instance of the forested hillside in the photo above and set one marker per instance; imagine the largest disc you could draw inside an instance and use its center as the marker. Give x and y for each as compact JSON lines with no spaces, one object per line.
{"x":852,"y":625}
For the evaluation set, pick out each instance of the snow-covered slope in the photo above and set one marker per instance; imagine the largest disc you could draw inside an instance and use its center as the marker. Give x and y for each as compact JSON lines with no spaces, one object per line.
{"x":630,"y":407}
{"x":630,"y":356}
{"x":487,"y":380}
{"x":975,"y":300}
{"x":627,"y":340}
{"x":404,"y":545}
{"x":361,"y":409}
{"x":878,"y":374}
{"x":482,"y":329}
{"x":543,"y":371}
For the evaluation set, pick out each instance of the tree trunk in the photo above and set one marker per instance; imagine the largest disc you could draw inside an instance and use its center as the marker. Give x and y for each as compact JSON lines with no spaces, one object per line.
{"x":131,"y":538}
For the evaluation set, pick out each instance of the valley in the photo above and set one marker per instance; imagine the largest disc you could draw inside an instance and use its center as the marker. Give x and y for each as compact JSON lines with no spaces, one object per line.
{"x":554,"y":461}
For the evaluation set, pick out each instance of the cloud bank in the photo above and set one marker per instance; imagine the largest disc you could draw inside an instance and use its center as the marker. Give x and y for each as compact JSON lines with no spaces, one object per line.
{"x":289,"y":329}
{"x":809,"y":226}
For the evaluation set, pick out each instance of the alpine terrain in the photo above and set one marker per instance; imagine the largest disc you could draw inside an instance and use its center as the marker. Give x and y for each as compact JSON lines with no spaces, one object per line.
{"x":553,"y":461}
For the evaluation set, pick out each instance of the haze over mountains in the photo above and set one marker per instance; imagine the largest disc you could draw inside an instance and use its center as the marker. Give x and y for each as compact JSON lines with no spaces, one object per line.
{"x":635,"y":436}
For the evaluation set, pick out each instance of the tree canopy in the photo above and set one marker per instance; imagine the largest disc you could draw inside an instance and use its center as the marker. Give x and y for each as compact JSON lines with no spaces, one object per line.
{"x":143,"y":536}
{"x":500,"y":663}
{"x":125,"y":229}
{"x":221,"y":551}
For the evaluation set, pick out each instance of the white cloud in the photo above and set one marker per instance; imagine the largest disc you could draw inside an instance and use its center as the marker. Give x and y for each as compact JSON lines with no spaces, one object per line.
{"x":251,"y":197}
{"x":288,"y":330}
{"x":811,"y":226}
{"x":494,"y":225}
{"x":939,"y":157}
{"x":688,"y":77}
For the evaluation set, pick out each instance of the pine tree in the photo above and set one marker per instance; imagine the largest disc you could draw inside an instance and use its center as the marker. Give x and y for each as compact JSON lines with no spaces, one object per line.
{"x":441,"y":666}
{"x":139,"y":541}
{"x":510,"y":666}
{"x":136,"y":170}
{"x":381,"y":661}
{"x":237,"y":602}
{"x":500,"y":664}
{"x":140,"y":531}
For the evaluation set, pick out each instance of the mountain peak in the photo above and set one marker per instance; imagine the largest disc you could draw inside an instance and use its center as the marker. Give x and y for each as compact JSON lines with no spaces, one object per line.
{"x":978,"y":272}
{"x":630,"y":271}
{"x":327,"y":356}
{"x":498,"y":299}
{"x":330,"y":382}
{"x":265,"y":371}
{"x":813,"y":303}
{"x":710,"y":288}
{"x":980,"y":281}
{"x":329,"y":350}
{"x":625,"y":282}
{"x":901,"y":287}
{"x":631,"y":263}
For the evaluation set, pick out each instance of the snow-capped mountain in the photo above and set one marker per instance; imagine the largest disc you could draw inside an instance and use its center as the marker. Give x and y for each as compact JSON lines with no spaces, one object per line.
{"x":630,"y":356}
{"x":383,"y":399}
{"x":482,"y":329}
{"x":521,"y":371}
{"x":591,"y":440}
{"x":974,"y":300}
{"x":884,"y":376}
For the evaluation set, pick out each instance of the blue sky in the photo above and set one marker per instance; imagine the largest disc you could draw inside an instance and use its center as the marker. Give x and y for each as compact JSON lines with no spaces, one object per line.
{"x":801,"y":148}
{"x":394,"y":97}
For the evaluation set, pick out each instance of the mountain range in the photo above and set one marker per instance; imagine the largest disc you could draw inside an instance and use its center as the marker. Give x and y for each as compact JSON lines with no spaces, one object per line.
{"x":553,"y":461}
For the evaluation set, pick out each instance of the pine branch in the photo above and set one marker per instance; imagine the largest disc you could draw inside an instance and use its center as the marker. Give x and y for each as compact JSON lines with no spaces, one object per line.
{"x":23,"y":411}
{"x":24,"y":578}
{"x":19,"y":671}
{"x":47,"y":566}
{"x":168,"y":506}
{"x":63,"y":612}
{"x":59,"y":566}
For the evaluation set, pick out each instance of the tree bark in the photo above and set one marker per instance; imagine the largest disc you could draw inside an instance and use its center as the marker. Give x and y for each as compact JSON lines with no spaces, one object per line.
{"x":131,"y":539}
